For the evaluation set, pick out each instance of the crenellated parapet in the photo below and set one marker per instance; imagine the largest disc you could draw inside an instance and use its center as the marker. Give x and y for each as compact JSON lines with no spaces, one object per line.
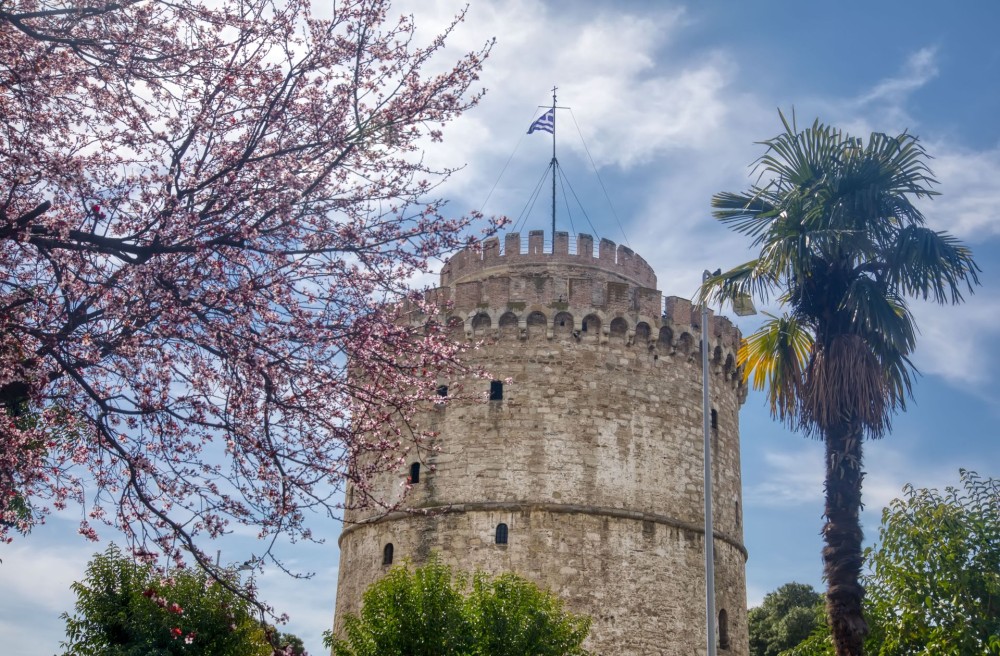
{"x":617,"y":260}
{"x":556,"y":295}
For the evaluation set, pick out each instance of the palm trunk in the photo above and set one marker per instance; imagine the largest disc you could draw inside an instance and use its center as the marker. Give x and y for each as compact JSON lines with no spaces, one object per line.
{"x":842,"y":555}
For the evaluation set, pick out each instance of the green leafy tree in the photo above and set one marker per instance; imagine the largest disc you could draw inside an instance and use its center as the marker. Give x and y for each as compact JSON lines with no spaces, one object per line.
{"x":513,"y":617}
{"x":289,"y":644}
{"x":125,"y":608}
{"x":934,"y":576}
{"x":820,"y":643}
{"x":425,"y":612}
{"x":784,"y":619}
{"x":842,"y":245}
{"x":418,"y":613}
{"x":934,"y":586}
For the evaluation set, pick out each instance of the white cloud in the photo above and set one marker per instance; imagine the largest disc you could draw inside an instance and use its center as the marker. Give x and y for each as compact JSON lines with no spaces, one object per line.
{"x":921,"y":67}
{"x":309,"y":603}
{"x":609,"y":67}
{"x":36,"y":576}
{"x":970,"y":192}
{"x":41,"y":576}
{"x":36,"y":579}
{"x":794,"y":477}
{"x":955,"y":342}
{"x":882,"y":107}
{"x":755,"y":595}
{"x":890,"y":466}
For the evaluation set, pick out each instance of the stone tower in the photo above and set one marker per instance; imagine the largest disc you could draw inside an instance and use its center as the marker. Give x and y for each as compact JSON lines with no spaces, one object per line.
{"x":583,"y":472}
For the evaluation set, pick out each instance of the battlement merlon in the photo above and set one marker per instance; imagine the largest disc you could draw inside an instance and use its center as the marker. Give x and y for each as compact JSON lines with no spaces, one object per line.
{"x":682,"y":312}
{"x":617,"y":259}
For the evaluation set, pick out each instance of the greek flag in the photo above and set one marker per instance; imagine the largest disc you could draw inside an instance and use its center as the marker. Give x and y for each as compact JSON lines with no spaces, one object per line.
{"x":546,"y":123}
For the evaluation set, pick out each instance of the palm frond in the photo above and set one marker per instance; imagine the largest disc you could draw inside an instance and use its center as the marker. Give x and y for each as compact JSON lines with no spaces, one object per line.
{"x":838,"y":230}
{"x":774,"y":358}
{"x":898,"y":371}
{"x":751,"y":279}
{"x":846,"y":382}
{"x":903,"y":162}
{"x":800,"y":158}
{"x":750,"y":214}
{"x":931,"y":264}
{"x":874,"y":311}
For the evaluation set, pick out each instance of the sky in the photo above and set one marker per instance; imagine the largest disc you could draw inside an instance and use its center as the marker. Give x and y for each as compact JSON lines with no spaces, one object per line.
{"x":671,"y":100}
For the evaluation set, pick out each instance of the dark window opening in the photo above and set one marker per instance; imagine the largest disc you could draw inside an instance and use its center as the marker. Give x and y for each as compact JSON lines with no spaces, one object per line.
{"x":496,"y":390}
{"x":723,"y":629}
{"x":442,"y":390}
{"x":501,"y":533}
{"x":387,"y":554}
{"x":584,"y":326}
{"x":414,"y":473}
{"x":715,"y":419}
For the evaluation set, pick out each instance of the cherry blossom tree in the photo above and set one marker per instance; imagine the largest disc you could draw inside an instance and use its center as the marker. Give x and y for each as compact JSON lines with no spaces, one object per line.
{"x":208,"y":212}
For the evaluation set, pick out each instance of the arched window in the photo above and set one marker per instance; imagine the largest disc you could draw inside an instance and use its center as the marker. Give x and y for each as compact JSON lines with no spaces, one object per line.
{"x":501,"y":533}
{"x":387,"y":554}
{"x":642,"y":332}
{"x":508,"y":325}
{"x":481,"y":324}
{"x":730,"y":366}
{"x":414,"y":473}
{"x":537,"y":324}
{"x":619,"y":328}
{"x":563,"y":326}
{"x":723,"y":629}
{"x":686,"y":343}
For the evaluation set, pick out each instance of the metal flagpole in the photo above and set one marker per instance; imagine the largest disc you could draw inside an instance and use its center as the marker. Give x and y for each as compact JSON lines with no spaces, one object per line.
{"x":554,"y":165}
{"x":743,"y":307}
{"x":706,"y":407}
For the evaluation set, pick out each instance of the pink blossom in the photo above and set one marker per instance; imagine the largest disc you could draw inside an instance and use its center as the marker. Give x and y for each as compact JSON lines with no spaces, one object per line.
{"x":203,"y":283}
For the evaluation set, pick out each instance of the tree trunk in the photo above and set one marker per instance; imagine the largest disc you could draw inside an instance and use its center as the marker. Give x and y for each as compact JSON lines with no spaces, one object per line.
{"x":842,"y":556}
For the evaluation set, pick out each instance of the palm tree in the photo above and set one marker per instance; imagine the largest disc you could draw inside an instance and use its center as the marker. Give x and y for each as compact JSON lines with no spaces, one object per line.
{"x":842,"y":246}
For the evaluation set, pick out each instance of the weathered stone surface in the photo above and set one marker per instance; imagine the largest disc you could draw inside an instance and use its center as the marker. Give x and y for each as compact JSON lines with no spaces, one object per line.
{"x":593,"y":459}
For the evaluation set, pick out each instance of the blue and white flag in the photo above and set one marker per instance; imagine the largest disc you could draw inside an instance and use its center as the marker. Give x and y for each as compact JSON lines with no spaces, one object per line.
{"x":546,"y":123}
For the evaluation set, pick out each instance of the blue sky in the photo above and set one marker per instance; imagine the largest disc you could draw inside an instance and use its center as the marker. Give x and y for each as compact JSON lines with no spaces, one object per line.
{"x":670,"y":99}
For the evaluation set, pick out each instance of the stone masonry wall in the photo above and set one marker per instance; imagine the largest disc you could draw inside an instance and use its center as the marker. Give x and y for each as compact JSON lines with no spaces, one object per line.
{"x":593,"y":458}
